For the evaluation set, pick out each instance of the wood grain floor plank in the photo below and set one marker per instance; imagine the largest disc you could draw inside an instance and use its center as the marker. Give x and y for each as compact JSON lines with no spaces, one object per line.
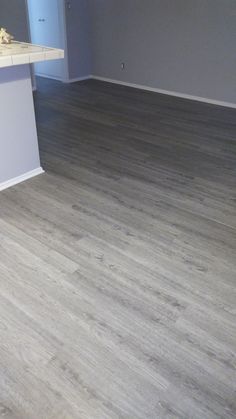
{"x":118,"y":266}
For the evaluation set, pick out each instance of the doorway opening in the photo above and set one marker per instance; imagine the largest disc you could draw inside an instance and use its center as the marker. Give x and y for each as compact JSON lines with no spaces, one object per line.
{"x":48,"y":27}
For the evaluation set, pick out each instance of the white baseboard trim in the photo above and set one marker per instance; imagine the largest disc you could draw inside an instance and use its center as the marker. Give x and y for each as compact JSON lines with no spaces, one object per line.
{"x":47,"y":76}
{"x":78,"y":79}
{"x":150,"y":89}
{"x":167,"y":92}
{"x":21,"y":178}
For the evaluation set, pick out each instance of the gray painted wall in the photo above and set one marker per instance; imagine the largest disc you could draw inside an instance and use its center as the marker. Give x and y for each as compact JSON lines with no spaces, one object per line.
{"x":13,"y":16}
{"x":186,"y":46}
{"x":78,"y":24}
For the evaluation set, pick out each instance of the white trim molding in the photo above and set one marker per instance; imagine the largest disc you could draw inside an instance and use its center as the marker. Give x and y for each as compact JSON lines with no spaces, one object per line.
{"x":48,"y":76}
{"x":167,"y":92}
{"x":89,"y":77}
{"x":67,"y":81}
{"x":21,"y":178}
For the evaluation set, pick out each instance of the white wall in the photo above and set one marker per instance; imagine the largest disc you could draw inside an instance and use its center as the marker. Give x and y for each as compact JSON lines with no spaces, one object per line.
{"x":78,"y":28}
{"x":46,"y":29}
{"x":186,"y":46}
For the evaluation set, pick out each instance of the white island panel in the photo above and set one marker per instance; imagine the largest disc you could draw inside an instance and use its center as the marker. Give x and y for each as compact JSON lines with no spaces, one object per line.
{"x":19,"y":152}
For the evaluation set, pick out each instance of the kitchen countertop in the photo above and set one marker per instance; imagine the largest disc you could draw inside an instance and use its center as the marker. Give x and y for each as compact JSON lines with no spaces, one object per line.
{"x":18,"y":53}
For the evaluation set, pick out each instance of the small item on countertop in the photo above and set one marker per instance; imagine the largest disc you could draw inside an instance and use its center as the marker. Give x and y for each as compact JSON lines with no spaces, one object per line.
{"x":5,"y":38}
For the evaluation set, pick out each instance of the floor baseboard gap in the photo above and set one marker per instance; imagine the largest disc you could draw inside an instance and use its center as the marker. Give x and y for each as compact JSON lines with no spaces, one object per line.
{"x":16,"y":180}
{"x":167,"y":92}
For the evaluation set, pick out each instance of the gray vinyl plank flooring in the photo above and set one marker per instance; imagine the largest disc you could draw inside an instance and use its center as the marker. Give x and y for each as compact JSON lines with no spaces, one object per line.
{"x":118,"y":266}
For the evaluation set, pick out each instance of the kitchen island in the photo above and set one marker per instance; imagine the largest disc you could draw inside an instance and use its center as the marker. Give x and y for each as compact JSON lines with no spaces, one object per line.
{"x":19,"y":152}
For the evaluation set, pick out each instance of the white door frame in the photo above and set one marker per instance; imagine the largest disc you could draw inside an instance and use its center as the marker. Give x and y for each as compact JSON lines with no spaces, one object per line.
{"x":62,"y":22}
